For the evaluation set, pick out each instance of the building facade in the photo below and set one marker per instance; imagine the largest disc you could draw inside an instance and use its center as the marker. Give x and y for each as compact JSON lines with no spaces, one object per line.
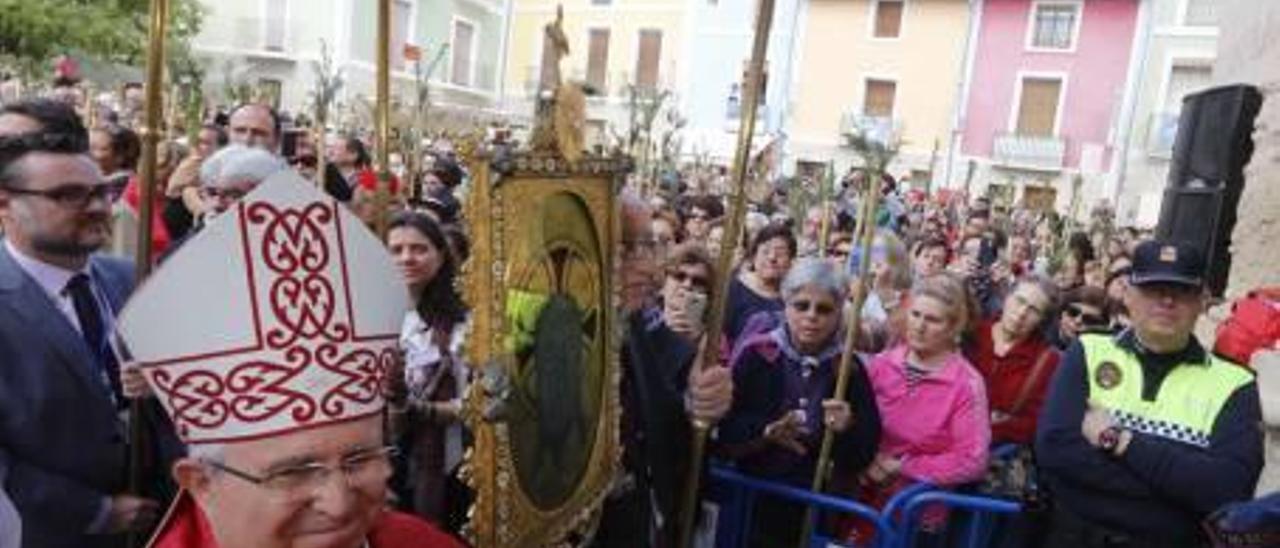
{"x":718,"y":53}
{"x":884,"y":68}
{"x":274,"y":44}
{"x":1179,"y":47}
{"x":1045,"y":99}
{"x":613,"y":44}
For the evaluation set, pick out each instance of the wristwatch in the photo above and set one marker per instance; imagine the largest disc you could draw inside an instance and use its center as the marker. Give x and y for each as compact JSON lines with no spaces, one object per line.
{"x":1109,"y":438}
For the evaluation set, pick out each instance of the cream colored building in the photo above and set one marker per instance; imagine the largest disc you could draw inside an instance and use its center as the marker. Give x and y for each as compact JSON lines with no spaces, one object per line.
{"x":274,"y":44}
{"x":886,"y":66}
{"x":612,"y":43}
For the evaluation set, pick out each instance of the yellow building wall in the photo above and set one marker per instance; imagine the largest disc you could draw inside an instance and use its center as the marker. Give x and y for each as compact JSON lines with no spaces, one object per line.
{"x":624,"y":19}
{"x":839,"y":54}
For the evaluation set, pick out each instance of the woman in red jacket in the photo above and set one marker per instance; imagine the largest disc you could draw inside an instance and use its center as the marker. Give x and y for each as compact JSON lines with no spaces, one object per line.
{"x":1016,"y":360}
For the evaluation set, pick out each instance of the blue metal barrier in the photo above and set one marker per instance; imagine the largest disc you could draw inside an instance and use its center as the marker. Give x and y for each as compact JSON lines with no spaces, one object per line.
{"x":743,"y":489}
{"x":976,"y":532}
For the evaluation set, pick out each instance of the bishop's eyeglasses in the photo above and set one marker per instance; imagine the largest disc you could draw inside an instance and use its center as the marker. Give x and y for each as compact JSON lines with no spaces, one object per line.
{"x":361,"y":468}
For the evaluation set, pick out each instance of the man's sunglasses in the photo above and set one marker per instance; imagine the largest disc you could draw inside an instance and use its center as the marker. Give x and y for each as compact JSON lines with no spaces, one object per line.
{"x":1075,"y":311}
{"x":75,"y":195}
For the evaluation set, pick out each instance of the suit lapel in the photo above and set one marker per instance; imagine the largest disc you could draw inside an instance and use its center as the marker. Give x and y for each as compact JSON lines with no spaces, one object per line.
{"x":33,"y":308}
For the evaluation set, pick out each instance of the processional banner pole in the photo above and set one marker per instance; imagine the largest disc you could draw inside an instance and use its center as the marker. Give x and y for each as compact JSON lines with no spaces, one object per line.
{"x":715,"y":325}
{"x":151,"y":135}
{"x":383,"y":117}
{"x":865,"y":236}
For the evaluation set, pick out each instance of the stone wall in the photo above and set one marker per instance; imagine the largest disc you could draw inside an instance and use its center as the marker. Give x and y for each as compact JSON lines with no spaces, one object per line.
{"x":1249,"y":52}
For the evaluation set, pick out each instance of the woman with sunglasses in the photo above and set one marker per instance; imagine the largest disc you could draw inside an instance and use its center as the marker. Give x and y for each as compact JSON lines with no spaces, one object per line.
{"x":784,"y":381}
{"x":686,"y":290}
{"x":933,"y":404}
{"x":1084,"y":311}
{"x":1016,"y":359}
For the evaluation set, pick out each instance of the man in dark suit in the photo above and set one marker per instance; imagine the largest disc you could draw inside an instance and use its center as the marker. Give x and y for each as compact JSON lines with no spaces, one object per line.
{"x":61,"y":403}
{"x":661,"y":393}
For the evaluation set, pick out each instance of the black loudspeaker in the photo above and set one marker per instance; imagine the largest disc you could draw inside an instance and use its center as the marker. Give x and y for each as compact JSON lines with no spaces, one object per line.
{"x":1206,"y":177}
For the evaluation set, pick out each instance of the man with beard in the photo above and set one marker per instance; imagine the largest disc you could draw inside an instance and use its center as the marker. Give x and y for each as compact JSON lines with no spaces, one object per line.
{"x":661,"y":394}
{"x":61,"y":404}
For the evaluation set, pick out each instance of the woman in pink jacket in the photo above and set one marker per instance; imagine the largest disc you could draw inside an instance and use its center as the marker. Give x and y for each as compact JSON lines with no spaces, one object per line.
{"x":933,"y":404}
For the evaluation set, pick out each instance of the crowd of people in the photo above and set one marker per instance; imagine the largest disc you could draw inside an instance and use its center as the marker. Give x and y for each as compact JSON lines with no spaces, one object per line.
{"x":981,"y":325}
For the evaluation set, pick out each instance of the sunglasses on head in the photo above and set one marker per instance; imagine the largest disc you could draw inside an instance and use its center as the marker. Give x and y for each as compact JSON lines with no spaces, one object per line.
{"x":681,"y":277}
{"x":1075,"y":311}
{"x":822,"y":309}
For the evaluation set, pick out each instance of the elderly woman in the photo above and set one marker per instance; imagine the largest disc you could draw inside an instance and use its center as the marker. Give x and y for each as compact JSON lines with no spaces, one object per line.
{"x":755,"y":288}
{"x":933,"y":405}
{"x":1016,"y":359}
{"x":883,"y":318}
{"x":233,"y":172}
{"x":784,"y":383}
{"x":686,"y":290}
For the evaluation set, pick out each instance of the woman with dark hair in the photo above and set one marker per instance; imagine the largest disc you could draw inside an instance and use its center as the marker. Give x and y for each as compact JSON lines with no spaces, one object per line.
{"x":1016,"y":360}
{"x":756,"y":287}
{"x":430,"y":391}
{"x":116,"y":150}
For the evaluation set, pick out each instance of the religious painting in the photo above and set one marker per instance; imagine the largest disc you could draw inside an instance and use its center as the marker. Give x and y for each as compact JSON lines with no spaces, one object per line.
{"x":545,"y":407}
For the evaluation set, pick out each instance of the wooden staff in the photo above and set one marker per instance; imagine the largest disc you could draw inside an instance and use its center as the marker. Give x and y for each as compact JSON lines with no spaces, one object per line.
{"x":866,"y":235}
{"x":151,"y":135}
{"x":382,"y":115}
{"x":715,"y":325}
{"x":825,"y":191}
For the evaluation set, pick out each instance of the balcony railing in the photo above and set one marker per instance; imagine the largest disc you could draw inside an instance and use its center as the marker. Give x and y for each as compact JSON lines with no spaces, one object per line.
{"x":1029,"y":152}
{"x":877,"y":129}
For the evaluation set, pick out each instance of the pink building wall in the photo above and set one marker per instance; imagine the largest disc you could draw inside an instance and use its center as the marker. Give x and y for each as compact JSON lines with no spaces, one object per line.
{"x":1095,"y":70}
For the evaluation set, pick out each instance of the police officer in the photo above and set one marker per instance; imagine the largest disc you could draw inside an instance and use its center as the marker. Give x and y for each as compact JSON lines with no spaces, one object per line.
{"x":1144,"y":432}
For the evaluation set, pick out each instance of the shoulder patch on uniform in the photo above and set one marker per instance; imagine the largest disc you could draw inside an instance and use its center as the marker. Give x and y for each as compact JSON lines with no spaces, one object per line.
{"x":1108,"y":375}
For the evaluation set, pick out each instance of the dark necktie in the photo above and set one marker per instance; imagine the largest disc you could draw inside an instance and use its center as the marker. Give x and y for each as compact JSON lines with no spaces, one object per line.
{"x":93,"y":329}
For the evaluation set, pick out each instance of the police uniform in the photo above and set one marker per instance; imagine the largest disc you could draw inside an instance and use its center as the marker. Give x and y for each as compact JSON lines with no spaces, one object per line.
{"x":1192,"y":419}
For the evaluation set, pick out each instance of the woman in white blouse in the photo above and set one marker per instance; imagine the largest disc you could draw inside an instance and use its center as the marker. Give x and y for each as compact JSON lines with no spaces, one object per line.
{"x":435,"y":376}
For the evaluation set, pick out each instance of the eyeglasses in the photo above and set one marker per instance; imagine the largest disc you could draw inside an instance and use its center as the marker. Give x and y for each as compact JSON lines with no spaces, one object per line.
{"x":1077,"y":312}
{"x":644,"y":248}
{"x":227,"y":194}
{"x":822,"y":309}
{"x":681,"y":277}
{"x":362,"y":468}
{"x":75,"y":195}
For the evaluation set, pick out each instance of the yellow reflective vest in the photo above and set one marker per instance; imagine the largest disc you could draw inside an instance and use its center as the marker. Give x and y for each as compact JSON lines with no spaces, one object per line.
{"x":1187,"y":404}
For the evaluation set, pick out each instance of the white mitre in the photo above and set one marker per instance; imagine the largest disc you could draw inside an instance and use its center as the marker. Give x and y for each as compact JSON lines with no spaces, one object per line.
{"x":281,"y":315}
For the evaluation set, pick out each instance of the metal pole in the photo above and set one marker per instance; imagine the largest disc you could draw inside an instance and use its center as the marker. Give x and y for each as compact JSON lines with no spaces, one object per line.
{"x":151,"y":135}
{"x":383,"y":117}
{"x":866,"y":234}
{"x":715,"y":325}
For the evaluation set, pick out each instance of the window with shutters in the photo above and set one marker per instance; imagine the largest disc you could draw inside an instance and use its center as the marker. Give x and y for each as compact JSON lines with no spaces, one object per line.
{"x":1038,"y":107}
{"x":462,"y":50}
{"x":1201,"y":13}
{"x":401,"y":12}
{"x":276,"y":21}
{"x":879,"y":98}
{"x":1054,"y":25}
{"x":648,"y":59}
{"x":887,"y":22}
{"x":598,"y":60}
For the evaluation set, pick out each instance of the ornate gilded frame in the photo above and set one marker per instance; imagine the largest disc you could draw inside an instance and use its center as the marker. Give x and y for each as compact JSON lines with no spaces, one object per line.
{"x":502,"y":208}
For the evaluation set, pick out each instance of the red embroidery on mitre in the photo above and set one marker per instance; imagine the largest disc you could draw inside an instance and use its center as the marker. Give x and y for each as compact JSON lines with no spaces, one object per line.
{"x":310,"y":366}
